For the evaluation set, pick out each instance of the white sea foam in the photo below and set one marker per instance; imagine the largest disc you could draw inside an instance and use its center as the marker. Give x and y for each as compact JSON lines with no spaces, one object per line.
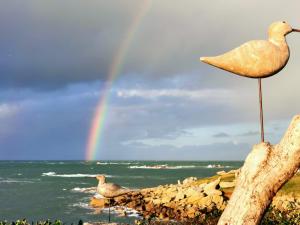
{"x":119,"y":211}
{"x":181,"y":167}
{"x":90,"y":190}
{"x":158,"y":167}
{"x":97,"y":195}
{"x":83,"y":205}
{"x":212,"y":166}
{"x":165,"y":166}
{"x":55,"y":163}
{"x":15,"y":181}
{"x":115,"y":163}
{"x":53,"y":174}
{"x":49,"y":174}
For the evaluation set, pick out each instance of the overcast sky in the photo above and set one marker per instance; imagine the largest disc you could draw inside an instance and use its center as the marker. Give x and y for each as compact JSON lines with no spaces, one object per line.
{"x":55,"y":57}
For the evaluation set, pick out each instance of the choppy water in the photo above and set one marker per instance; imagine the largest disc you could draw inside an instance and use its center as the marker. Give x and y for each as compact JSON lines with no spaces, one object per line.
{"x":39,"y":190}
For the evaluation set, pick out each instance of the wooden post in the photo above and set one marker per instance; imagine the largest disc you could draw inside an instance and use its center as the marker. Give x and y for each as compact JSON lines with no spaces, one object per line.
{"x":261,"y":114}
{"x":265,"y":170}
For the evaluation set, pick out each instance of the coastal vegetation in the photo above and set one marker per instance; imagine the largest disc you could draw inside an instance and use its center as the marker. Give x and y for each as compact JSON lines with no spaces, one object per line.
{"x":46,"y":222}
{"x":272,"y":217}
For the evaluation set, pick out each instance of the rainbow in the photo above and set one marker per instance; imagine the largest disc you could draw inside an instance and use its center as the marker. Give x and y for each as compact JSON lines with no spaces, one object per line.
{"x":98,"y":120}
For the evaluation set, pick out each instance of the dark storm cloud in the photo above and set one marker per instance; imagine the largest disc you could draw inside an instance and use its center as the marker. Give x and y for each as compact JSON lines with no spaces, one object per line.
{"x":48,"y":44}
{"x":55,"y":56}
{"x":47,"y":126}
{"x":54,"y":43}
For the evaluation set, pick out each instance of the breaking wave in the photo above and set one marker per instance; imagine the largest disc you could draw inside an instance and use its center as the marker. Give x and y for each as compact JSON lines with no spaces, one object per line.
{"x":122,"y":211}
{"x":217,"y":166}
{"x":89,"y":190}
{"x":165,"y":166}
{"x":83,"y":205}
{"x":157,"y":167}
{"x":8,"y":181}
{"x":116,"y":163}
{"x":53,"y":174}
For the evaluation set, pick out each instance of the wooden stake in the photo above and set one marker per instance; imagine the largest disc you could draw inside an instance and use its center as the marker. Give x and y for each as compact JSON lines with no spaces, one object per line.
{"x":262,"y":133}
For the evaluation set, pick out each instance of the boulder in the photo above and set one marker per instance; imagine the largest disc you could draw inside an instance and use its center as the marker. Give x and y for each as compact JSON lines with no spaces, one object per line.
{"x":156,"y":201}
{"x":191,"y":192}
{"x":132,"y":204}
{"x":98,"y":202}
{"x":171,"y":204}
{"x":191,"y":211}
{"x":218,"y":200}
{"x":204,"y":202}
{"x":210,"y":188}
{"x":179,"y":196}
{"x":165,"y":199}
{"x":194,"y":199}
{"x":214,"y":192}
{"x":120,"y":199}
{"x":189,"y":180}
{"x":149,"y":207}
{"x":225,"y":184}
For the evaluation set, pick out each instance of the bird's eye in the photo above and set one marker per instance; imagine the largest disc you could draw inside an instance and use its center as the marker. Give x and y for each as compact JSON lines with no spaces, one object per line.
{"x":283,"y":22}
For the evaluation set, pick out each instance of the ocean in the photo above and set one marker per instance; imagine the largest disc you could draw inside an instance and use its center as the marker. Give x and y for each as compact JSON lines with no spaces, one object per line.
{"x":40,"y":190}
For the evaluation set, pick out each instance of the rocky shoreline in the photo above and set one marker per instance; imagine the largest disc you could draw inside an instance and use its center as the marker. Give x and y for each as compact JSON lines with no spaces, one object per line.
{"x":190,"y":199}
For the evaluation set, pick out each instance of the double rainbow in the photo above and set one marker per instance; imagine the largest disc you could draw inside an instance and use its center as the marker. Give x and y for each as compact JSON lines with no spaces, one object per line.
{"x":98,"y":120}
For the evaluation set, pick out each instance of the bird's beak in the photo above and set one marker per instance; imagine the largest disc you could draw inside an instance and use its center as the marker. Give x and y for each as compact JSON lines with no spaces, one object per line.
{"x":296,"y":30}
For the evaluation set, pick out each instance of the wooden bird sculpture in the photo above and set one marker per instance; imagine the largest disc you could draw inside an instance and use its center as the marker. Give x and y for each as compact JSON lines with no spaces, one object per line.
{"x":110,"y":190}
{"x":257,"y":58}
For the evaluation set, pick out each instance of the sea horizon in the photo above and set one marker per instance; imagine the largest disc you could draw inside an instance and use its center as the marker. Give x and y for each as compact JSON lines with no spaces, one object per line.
{"x":112,"y":160}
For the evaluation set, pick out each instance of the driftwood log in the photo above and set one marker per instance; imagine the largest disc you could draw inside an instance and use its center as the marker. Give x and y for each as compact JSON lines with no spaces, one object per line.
{"x":265,"y":170}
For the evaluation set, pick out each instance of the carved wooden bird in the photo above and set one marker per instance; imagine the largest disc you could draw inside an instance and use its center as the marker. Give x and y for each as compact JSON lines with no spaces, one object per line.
{"x":110,"y":190}
{"x":257,"y":58}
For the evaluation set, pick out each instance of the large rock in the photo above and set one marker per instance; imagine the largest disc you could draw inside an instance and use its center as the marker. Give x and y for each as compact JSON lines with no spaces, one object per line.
{"x":179,"y":196}
{"x":195,"y":198}
{"x":226,"y":184}
{"x":165,"y":199}
{"x":189,"y":180}
{"x":191,"y":211}
{"x":218,"y":200}
{"x":98,"y":202}
{"x":210,"y":188}
{"x":191,"y":192}
{"x":156,"y":201}
{"x":204,"y":202}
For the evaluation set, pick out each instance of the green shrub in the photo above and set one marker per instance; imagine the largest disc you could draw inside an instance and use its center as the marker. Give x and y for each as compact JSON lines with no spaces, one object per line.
{"x":46,"y":222}
{"x":275,"y":217}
